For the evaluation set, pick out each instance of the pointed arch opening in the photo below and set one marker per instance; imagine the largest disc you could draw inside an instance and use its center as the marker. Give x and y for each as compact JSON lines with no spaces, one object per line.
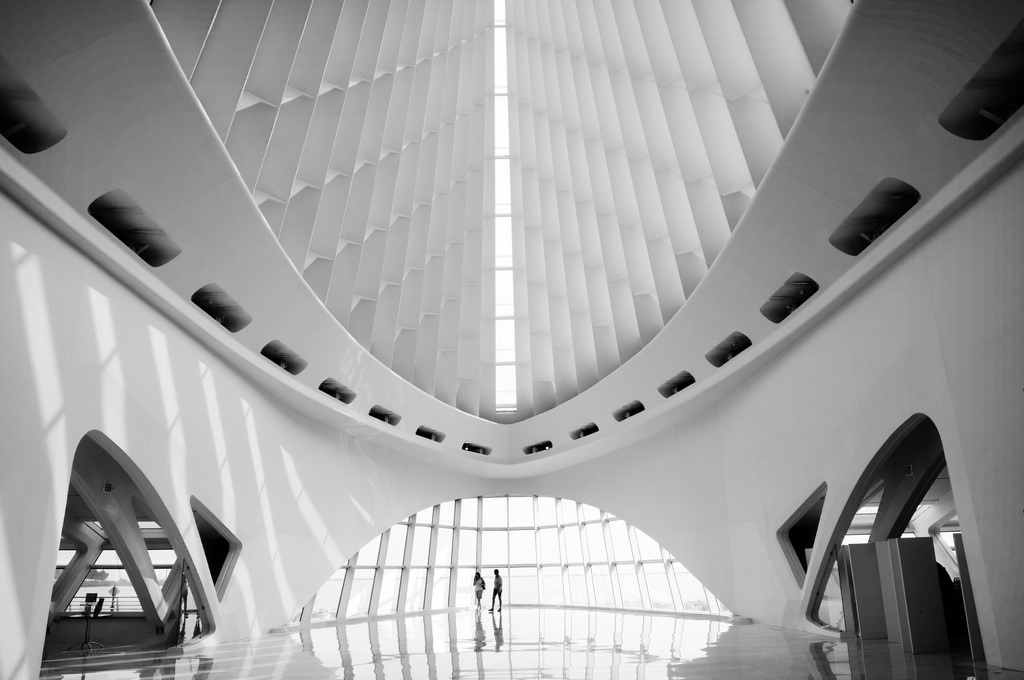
{"x":899,"y":525}
{"x":124,"y":575}
{"x":549,"y":552}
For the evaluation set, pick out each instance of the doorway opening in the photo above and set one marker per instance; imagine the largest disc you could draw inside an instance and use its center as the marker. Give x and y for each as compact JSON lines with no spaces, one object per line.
{"x":124,"y":579}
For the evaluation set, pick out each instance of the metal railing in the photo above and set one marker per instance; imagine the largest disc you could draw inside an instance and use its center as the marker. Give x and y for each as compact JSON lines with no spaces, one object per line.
{"x":120,"y":604}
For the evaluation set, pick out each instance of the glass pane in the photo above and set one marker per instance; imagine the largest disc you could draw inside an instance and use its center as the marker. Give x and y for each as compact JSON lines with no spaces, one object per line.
{"x":325,"y":604}
{"x":425,"y":516}
{"x":420,"y":546}
{"x":573,"y":547}
{"x":546,"y":512}
{"x":549,"y":546}
{"x":551,"y":585}
{"x":504,"y":293}
{"x":439,"y":598}
{"x":694,"y":599}
{"x":359,"y":598}
{"x":602,"y":586}
{"x":495,"y":548}
{"x":467,"y":516}
{"x":163,"y":558}
{"x":674,"y":585}
{"x":64,"y":557}
{"x":443,"y":556}
{"x":577,"y":586}
{"x":108,"y":558}
{"x":649,"y":549}
{"x":521,"y":587}
{"x":590,"y":512}
{"x":505,"y":385}
{"x":496,"y":512}
{"x":522,"y":547}
{"x":501,"y":130}
{"x":620,"y":541}
{"x":502,"y":187}
{"x":447,"y":514}
{"x":499,"y":12}
{"x":657,"y":586}
{"x":417,"y":590}
{"x":500,"y":62}
{"x":368,"y":555}
{"x":464,"y":596}
{"x":467,"y":547}
{"x":504,"y":340}
{"x":567,"y":510}
{"x":595,"y":542}
{"x":629,"y":587}
{"x":503,"y":242}
{"x":388,"y":602}
{"x":520,"y":511}
{"x":396,"y":546}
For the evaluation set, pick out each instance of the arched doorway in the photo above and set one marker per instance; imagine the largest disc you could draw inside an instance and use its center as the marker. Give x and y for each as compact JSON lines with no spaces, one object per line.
{"x":124,"y":577}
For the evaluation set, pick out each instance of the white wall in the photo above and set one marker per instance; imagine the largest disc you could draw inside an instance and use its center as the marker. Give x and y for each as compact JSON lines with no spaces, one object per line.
{"x":939,"y":333}
{"x":80,"y":352}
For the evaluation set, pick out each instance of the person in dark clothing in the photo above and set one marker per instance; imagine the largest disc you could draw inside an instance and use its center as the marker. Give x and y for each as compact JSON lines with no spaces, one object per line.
{"x":496,"y":593}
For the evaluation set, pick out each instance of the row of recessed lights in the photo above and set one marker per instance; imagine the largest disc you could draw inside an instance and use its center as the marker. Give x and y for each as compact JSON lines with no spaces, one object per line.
{"x":884,"y":205}
{"x":126,"y":221}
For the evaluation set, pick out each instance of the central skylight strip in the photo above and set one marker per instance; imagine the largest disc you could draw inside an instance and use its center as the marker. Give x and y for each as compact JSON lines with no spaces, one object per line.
{"x":504,"y":304}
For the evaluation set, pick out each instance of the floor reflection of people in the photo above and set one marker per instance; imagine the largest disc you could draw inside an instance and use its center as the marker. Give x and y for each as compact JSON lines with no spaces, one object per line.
{"x":480,"y":639}
{"x":818,"y":653}
{"x":499,"y":636}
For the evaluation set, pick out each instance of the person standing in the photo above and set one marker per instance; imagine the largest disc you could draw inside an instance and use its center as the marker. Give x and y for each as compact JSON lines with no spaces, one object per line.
{"x":496,"y":594}
{"x":479,"y":586}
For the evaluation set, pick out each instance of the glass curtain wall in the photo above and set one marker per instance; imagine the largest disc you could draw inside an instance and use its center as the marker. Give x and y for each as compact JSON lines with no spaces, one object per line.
{"x":504,"y":303}
{"x":549,"y":551}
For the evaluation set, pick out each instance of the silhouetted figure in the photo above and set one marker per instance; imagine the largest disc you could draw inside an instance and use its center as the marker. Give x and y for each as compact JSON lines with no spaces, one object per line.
{"x":496,"y":594}
{"x":953,"y":608}
{"x":479,"y":586}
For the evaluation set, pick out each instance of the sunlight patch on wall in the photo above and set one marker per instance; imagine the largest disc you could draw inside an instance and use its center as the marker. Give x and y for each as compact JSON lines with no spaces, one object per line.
{"x":44,"y":360}
{"x":308,"y":511}
{"x":112,"y":391}
{"x":227,"y":487}
{"x":266,"y":513}
{"x":172,"y":409}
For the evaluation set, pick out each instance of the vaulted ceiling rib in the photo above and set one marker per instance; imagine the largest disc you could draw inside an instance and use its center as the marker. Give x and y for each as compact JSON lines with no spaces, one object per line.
{"x":364,"y":130}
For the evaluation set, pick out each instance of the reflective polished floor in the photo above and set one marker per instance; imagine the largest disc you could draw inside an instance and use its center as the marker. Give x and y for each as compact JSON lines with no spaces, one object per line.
{"x":530,"y":643}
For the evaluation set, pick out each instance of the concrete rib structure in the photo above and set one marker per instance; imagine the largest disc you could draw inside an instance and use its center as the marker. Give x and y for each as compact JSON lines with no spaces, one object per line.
{"x":247,"y":246}
{"x":365,"y":133}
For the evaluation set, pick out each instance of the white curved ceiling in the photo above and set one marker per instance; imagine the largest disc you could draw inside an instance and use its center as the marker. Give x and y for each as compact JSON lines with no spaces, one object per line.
{"x":133,"y":125}
{"x":365,"y":133}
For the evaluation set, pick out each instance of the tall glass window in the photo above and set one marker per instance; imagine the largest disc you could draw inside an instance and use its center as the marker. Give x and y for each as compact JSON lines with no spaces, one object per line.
{"x":504,"y":305}
{"x":551,"y":552}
